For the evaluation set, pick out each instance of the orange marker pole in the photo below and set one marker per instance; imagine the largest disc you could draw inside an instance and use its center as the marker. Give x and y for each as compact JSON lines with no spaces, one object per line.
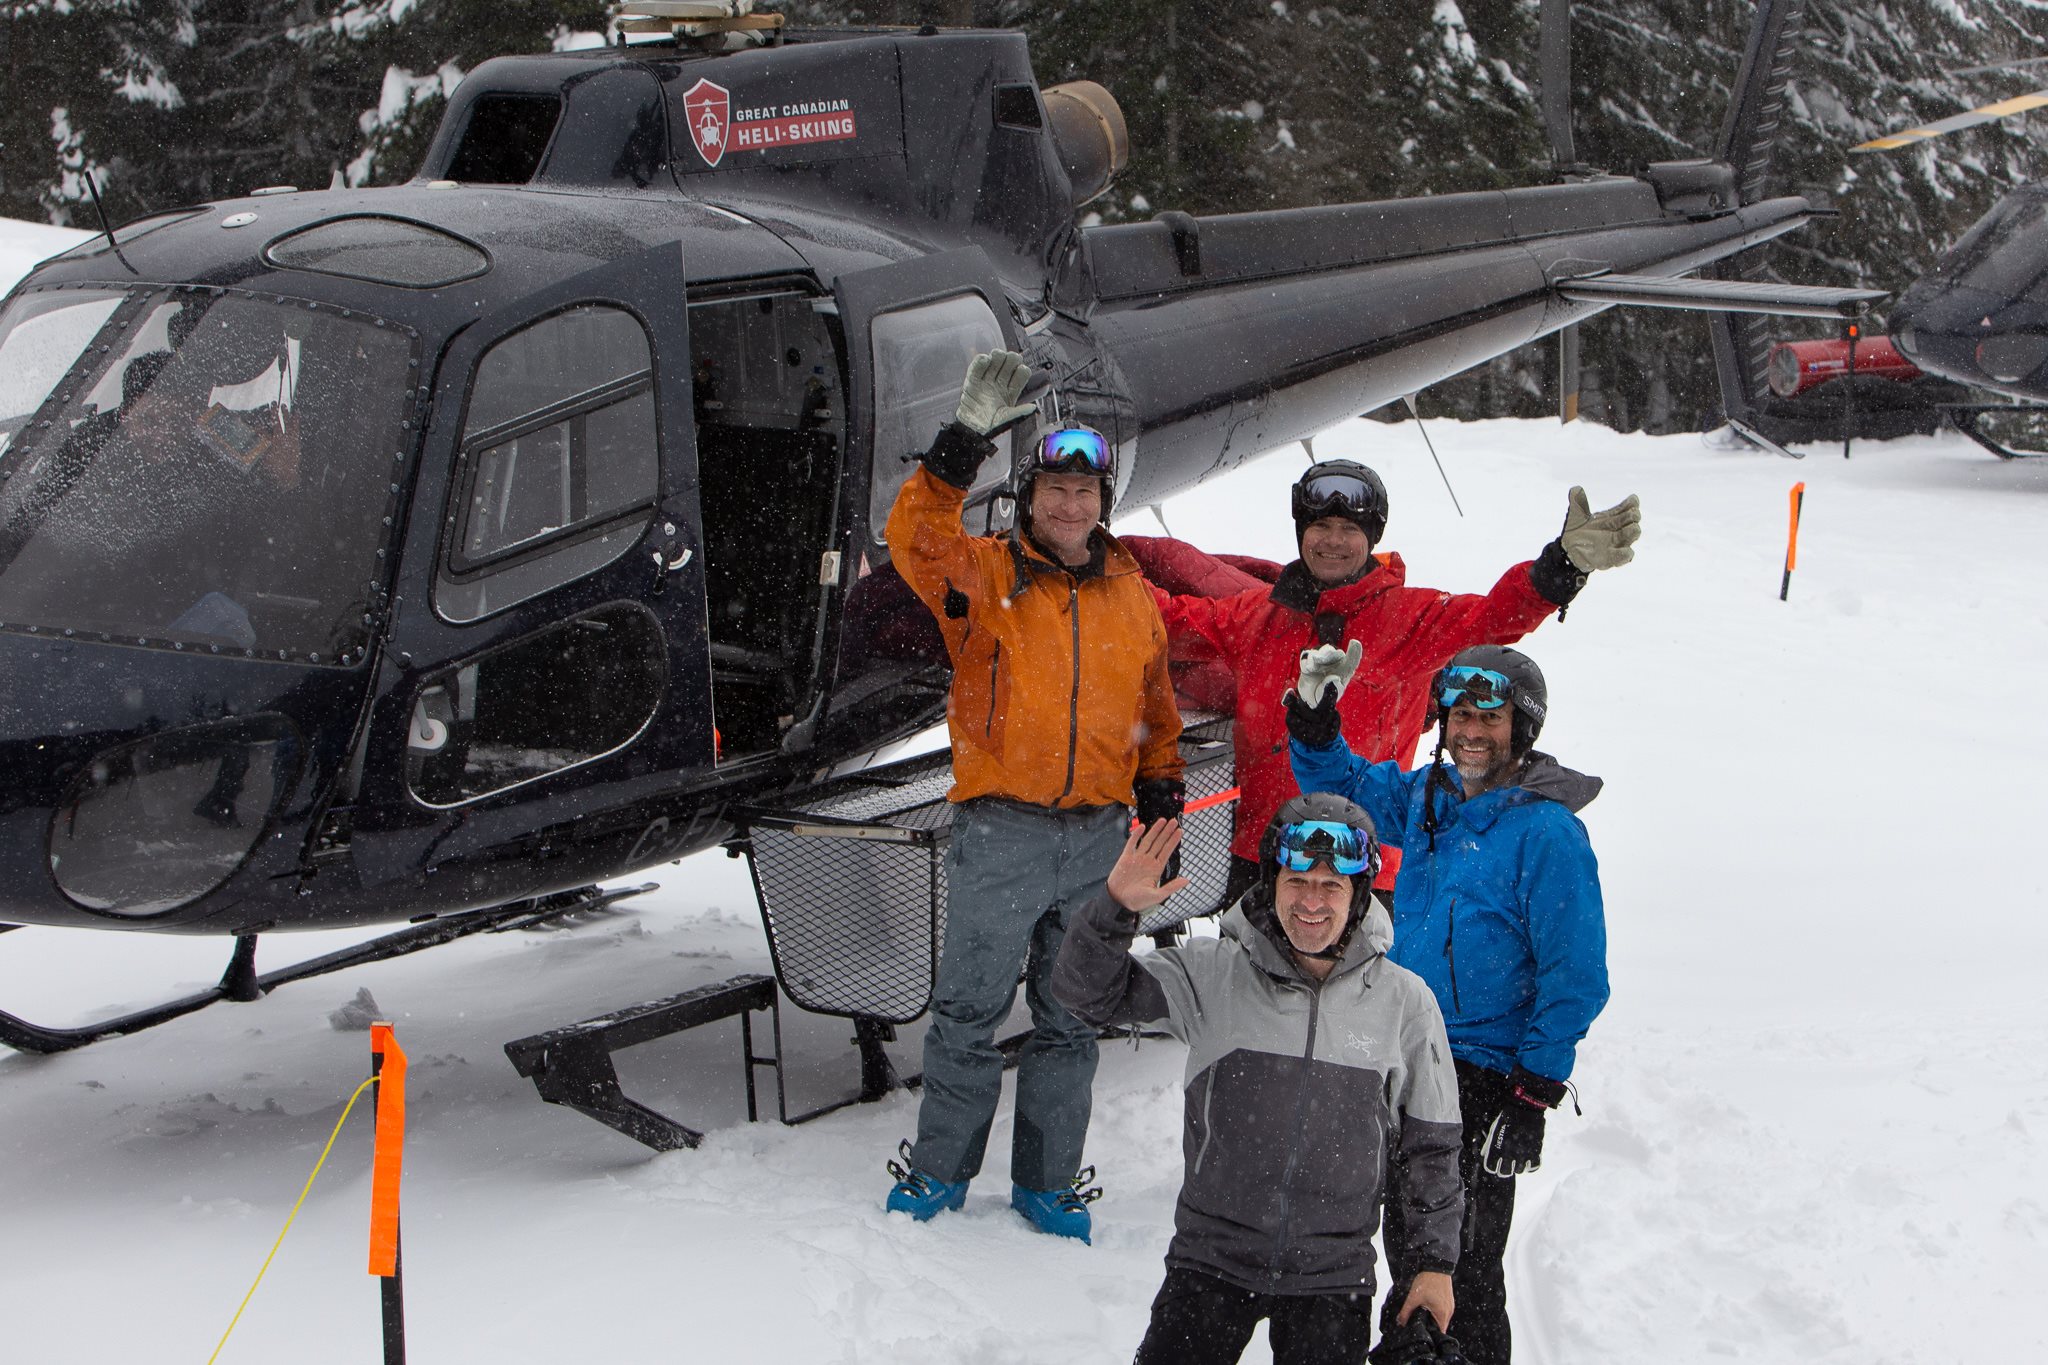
{"x":387,"y":1063}
{"x":1792,"y":540}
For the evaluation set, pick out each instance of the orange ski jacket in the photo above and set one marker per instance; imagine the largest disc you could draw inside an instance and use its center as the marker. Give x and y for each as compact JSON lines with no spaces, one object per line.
{"x":1061,"y":695}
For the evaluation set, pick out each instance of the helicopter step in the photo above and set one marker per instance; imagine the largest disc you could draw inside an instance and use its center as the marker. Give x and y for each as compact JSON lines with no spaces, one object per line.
{"x":572,"y":1065}
{"x":242,"y":982}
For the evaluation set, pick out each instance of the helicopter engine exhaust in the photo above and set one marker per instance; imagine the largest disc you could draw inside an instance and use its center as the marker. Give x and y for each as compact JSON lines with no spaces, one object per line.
{"x":1088,"y":128}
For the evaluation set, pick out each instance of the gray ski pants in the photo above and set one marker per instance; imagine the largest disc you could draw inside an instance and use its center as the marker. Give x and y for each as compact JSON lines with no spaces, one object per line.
{"x":1014,"y":875}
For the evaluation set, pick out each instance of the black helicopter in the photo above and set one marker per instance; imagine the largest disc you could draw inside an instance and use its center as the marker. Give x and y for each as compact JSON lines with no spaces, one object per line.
{"x":423,"y":553}
{"x":1978,"y":320}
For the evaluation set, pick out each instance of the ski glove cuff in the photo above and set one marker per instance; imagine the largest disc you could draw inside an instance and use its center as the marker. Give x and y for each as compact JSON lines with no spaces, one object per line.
{"x":1555,"y":576}
{"x":1531,"y":1088}
{"x":988,"y":397}
{"x":957,"y":454}
{"x":1318,"y":726}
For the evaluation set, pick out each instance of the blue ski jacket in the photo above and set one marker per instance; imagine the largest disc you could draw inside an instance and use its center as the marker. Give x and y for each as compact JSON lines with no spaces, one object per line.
{"x":1502,"y":917}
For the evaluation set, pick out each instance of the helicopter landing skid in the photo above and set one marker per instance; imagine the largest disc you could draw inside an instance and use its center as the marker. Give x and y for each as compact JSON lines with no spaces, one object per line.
{"x":1964,"y":417}
{"x":242,"y":982}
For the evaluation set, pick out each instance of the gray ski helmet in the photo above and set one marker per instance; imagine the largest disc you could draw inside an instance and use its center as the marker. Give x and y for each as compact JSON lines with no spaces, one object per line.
{"x":1340,"y":488}
{"x":1322,"y":806}
{"x":1527,"y":693}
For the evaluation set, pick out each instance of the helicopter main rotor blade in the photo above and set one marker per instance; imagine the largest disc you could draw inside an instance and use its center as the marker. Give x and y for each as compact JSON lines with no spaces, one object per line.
{"x":1555,"y":64}
{"x":1989,"y":113}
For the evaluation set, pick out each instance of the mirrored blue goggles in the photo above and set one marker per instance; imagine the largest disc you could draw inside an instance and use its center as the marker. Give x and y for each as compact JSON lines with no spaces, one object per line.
{"x":1481,"y":687}
{"x":1073,"y":450}
{"x":1308,"y":842}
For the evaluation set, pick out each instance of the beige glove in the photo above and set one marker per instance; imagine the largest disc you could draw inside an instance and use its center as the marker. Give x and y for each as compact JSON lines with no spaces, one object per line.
{"x":1325,"y":667}
{"x":1600,"y":540}
{"x":988,"y":398}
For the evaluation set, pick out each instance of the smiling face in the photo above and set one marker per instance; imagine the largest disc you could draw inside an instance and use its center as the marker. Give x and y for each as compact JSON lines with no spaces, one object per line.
{"x":1064,"y":511}
{"x":1335,"y":550}
{"x":1480,"y":742}
{"x":1313,"y":907}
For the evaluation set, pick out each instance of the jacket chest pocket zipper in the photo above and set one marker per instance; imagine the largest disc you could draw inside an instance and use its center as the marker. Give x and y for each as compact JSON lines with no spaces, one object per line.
{"x":1451,"y":953}
{"x":995,"y":660}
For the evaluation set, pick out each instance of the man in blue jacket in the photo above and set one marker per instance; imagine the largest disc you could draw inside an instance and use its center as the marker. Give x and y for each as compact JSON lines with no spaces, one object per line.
{"x":1497,"y":908}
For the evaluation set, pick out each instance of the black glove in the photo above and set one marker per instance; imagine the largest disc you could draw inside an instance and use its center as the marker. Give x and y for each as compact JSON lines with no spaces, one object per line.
{"x":1161,"y":798}
{"x":1514,"y":1140}
{"x":1418,"y":1341}
{"x":1555,"y":576}
{"x":1318,"y":726}
{"x":957,"y":454}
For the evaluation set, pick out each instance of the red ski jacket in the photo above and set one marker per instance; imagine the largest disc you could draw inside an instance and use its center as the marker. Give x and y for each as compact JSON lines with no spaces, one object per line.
{"x":1260,"y":631}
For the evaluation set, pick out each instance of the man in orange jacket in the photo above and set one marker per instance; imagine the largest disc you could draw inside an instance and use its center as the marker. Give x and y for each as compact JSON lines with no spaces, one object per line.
{"x":1062,"y":721}
{"x":1341,"y":592}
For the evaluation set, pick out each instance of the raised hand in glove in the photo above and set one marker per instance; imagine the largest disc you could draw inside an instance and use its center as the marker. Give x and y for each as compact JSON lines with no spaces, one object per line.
{"x":1600,"y":540}
{"x":1326,"y":667}
{"x":988,"y":398}
{"x":1514,"y":1140}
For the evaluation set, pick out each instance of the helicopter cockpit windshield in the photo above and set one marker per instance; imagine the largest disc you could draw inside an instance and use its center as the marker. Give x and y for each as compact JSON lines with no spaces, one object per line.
{"x":198,"y":469}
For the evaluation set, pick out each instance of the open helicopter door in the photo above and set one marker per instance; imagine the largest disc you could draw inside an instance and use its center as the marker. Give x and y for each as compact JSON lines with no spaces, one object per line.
{"x":549,"y":651}
{"x":910,"y":330}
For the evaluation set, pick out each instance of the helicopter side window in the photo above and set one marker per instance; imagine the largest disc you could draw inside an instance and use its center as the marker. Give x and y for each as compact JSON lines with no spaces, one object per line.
{"x":505,"y":139}
{"x":562,"y":697}
{"x":41,"y":336}
{"x":920,"y":355}
{"x":558,"y":475}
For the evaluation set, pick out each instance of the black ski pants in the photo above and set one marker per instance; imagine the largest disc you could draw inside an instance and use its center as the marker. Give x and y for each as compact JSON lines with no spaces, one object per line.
{"x":1480,"y":1319}
{"x":1198,"y":1319}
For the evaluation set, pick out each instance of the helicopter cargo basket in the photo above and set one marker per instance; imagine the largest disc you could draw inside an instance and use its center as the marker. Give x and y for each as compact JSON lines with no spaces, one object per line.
{"x":852,"y":882}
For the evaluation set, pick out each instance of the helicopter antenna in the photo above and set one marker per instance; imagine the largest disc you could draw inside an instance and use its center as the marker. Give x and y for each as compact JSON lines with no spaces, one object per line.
{"x":101,"y":210}
{"x":1410,"y":401}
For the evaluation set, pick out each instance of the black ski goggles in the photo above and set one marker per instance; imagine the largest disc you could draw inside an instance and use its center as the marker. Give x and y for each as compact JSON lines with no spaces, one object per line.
{"x":1481,"y":687}
{"x":1073,"y":450}
{"x":1305,"y":843}
{"x":1338,"y":491}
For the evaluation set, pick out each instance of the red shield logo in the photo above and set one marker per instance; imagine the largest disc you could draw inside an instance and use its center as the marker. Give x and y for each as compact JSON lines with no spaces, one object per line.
{"x":707,"y":106}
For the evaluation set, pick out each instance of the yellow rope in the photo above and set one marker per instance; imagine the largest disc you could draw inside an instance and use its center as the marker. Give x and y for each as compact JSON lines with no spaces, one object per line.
{"x":288,"y":1219}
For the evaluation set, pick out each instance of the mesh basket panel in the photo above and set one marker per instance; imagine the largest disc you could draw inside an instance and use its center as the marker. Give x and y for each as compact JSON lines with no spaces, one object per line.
{"x":855,"y":923}
{"x":851,"y":923}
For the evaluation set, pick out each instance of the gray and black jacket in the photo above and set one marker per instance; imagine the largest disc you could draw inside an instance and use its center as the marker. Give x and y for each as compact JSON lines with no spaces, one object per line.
{"x":1296,"y":1094}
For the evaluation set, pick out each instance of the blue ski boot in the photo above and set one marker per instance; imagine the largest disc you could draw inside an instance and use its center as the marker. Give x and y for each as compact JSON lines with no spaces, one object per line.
{"x":921,"y":1194}
{"x":1062,"y":1212}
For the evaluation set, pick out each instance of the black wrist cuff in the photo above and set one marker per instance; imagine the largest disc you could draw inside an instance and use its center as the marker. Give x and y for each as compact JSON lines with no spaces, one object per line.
{"x":1315,"y":726}
{"x":1555,"y":576}
{"x":1427,"y":1263}
{"x":1159,"y":798}
{"x":956,"y":454}
{"x":1533,"y":1089}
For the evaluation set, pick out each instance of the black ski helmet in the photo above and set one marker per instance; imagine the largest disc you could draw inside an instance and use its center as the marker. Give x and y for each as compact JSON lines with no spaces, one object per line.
{"x":1027,"y":465}
{"x":1340,"y":488}
{"x":1526,"y":693}
{"x":1331,"y":807}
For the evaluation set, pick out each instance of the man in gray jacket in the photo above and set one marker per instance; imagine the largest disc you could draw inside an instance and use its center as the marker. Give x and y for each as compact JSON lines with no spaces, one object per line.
{"x":1311,"y":1059}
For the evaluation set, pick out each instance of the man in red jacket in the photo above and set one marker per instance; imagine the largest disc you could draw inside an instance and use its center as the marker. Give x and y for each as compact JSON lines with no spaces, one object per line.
{"x":1340,"y":591}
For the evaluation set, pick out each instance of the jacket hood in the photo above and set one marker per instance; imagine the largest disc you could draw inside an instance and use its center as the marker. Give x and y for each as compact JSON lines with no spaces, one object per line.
{"x":1299,"y":591}
{"x":1542,"y":778}
{"x":1252,"y":924}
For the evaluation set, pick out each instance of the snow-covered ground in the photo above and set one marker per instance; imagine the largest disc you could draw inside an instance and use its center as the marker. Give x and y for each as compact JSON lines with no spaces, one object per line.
{"x":1814,"y":1112}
